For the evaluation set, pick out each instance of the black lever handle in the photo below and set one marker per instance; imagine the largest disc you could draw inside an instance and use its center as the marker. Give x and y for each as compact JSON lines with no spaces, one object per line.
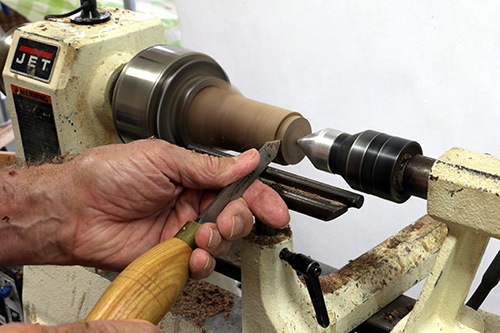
{"x":311,"y":270}
{"x":489,"y":281}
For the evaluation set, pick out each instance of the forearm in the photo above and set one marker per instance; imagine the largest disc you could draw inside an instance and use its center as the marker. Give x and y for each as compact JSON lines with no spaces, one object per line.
{"x":33,"y":206}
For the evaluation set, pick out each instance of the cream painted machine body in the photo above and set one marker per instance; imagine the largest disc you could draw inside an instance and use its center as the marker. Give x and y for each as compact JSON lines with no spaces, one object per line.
{"x":58,"y":79}
{"x":464,"y":193}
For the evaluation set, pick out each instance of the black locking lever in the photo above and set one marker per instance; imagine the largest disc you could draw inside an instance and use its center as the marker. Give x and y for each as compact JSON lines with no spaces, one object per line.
{"x":310,"y":270}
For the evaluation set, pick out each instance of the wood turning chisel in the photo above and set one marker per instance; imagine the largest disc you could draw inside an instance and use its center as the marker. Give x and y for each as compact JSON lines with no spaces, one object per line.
{"x":149,"y":286}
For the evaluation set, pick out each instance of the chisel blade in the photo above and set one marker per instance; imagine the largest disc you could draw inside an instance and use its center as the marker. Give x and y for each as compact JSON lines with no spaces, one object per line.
{"x":235,"y":190}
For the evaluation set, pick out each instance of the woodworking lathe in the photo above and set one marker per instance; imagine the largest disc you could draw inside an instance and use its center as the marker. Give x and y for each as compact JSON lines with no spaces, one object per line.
{"x":462,"y":190}
{"x":104,"y":76}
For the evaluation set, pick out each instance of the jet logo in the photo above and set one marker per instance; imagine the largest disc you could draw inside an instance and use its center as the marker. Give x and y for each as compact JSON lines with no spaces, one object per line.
{"x":34,"y":59}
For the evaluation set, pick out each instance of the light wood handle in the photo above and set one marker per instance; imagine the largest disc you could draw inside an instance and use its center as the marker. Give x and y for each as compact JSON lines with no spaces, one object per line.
{"x":149,"y":286}
{"x":7,"y":157}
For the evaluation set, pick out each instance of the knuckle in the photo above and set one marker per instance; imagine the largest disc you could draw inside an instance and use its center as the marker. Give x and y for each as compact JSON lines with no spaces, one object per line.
{"x":212,"y":167}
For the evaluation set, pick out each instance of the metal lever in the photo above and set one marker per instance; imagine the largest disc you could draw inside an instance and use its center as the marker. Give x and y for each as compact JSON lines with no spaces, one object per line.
{"x":310,"y":269}
{"x":489,"y":281}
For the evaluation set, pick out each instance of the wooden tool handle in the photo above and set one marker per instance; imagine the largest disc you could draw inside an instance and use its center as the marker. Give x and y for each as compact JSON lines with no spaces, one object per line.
{"x":7,"y":157}
{"x":149,"y":286}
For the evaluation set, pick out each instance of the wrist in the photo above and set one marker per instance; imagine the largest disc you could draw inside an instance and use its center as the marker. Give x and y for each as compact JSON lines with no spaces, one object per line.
{"x":33,"y":209}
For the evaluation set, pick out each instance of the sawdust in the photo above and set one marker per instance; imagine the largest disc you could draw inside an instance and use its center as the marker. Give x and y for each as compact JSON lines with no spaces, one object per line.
{"x":397,"y":313}
{"x":393,"y":243}
{"x":201,"y":300}
{"x":270,"y":240}
{"x":234,"y":253}
{"x":418,"y":224}
{"x":316,"y":205}
{"x":59,"y":159}
{"x":331,"y":283}
{"x":371,"y":259}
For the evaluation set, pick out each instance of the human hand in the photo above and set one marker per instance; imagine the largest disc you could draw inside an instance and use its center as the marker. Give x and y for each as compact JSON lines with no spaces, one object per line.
{"x":123,"y":199}
{"x":101,"y":326}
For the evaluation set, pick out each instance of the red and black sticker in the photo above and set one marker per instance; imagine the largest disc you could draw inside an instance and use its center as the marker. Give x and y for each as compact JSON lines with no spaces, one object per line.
{"x":34,"y":59}
{"x":35,"y":117}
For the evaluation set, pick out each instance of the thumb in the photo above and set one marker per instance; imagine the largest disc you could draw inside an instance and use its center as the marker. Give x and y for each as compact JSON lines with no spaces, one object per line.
{"x":199,"y":171}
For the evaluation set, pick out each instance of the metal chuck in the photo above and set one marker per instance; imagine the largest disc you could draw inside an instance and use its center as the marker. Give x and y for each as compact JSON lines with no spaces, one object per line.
{"x":185,"y":97}
{"x":376,"y":163}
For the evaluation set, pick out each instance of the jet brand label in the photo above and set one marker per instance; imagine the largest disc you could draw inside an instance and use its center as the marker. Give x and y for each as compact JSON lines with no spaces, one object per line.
{"x":34,"y":59}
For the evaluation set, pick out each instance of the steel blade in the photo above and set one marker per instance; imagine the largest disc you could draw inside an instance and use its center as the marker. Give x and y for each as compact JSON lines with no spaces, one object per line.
{"x":235,"y":190}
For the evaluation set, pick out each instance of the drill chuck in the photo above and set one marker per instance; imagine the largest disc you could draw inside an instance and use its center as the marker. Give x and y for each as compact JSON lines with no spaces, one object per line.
{"x":369,"y":161}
